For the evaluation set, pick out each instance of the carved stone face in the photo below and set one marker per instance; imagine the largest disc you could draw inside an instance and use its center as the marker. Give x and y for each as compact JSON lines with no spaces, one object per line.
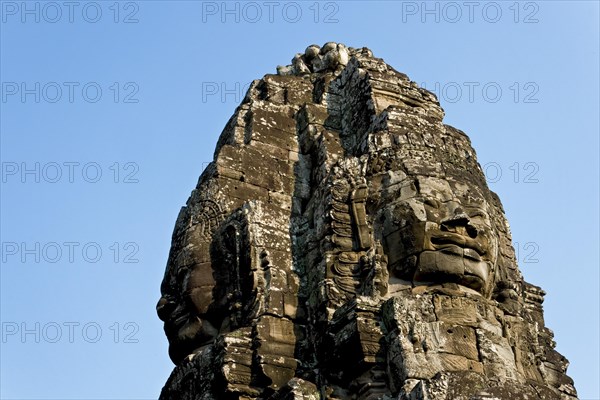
{"x":187,"y":288}
{"x":441,"y":233}
{"x":209,"y":286}
{"x":181,"y":311}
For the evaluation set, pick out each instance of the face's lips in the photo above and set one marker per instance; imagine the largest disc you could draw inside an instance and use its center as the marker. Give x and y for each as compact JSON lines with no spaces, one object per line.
{"x":174,"y":317}
{"x":471,"y":254}
{"x":458,"y":244}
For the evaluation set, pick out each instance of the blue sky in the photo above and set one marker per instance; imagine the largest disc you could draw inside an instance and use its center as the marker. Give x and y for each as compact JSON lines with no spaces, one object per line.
{"x":110,"y":110}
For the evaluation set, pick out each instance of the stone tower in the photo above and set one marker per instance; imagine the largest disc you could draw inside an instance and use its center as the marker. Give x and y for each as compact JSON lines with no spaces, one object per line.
{"x":344,"y":244}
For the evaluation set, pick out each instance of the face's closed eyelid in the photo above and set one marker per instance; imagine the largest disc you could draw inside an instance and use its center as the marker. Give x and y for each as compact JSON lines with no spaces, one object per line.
{"x":181,"y":275}
{"x":432,"y":202}
{"x":477,"y":212}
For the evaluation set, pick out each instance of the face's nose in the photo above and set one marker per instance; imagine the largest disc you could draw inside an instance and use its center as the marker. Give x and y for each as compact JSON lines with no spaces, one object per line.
{"x":459,"y":223}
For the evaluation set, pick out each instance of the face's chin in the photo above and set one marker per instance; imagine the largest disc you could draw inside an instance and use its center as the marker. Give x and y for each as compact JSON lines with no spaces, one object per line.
{"x":186,"y":336}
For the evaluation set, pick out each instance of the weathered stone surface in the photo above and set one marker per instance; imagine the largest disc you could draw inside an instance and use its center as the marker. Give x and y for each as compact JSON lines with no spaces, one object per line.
{"x":343,"y":244}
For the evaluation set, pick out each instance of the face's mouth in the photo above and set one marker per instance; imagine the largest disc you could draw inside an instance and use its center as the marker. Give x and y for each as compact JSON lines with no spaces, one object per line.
{"x":453,"y":257}
{"x":459,"y":245}
{"x":173,"y":316}
{"x":186,"y":334}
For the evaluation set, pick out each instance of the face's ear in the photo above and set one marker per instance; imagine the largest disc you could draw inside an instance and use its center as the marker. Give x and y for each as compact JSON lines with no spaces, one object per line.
{"x":237,"y":269}
{"x":508,"y":282}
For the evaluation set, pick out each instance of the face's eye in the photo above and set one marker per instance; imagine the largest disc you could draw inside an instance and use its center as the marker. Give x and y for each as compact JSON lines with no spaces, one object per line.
{"x":181,"y":274}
